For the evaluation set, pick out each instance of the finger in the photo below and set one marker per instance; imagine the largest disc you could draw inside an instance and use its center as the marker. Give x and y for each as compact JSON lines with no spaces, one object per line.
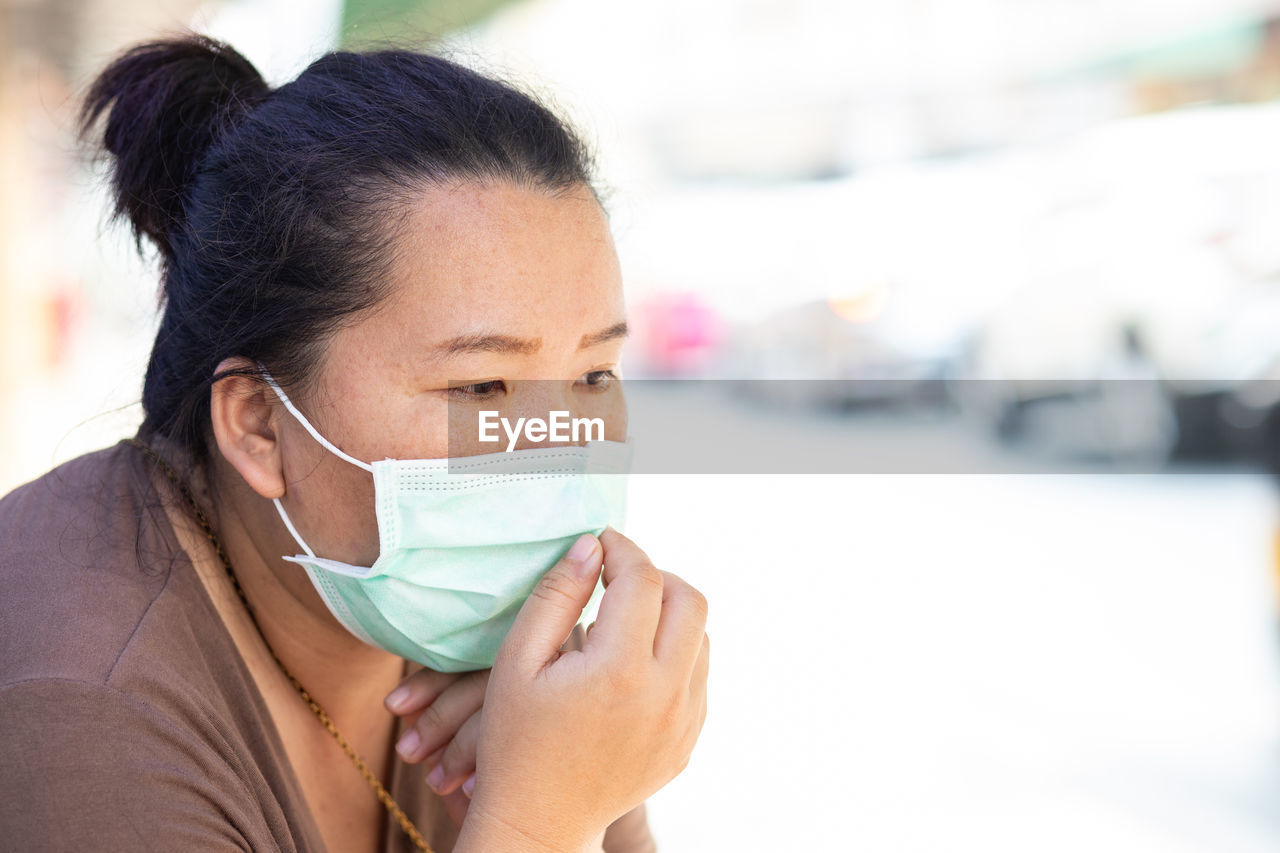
{"x":632,"y":601}
{"x":459,"y":759}
{"x":456,"y":805}
{"x":683,"y":625}
{"x":440,"y":721}
{"x":418,"y":691}
{"x":698,"y":686}
{"x":701,"y":667}
{"x":554,"y":607}
{"x":575,"y":639}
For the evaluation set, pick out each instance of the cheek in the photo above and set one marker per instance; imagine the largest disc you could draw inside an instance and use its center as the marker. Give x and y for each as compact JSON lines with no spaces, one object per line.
{"x":618,"y":429}
{"x":417,"y":429}
{"x":334,"y":511}
{"x":614,"y":413}
{"x":492,"y":427}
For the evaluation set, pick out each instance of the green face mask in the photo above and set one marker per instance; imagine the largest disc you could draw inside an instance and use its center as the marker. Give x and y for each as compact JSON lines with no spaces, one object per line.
{"x":462,"y":543}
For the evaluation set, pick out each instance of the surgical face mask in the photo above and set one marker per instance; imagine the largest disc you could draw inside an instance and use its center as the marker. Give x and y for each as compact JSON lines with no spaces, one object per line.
{"x":462,"y":542}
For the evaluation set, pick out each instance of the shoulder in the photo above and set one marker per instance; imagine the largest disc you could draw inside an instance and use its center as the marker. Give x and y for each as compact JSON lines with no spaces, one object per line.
{"x":127,"y":718}
{"x":96,"y":589}
{"x":85,"y":551}
{"x":88,"y":766}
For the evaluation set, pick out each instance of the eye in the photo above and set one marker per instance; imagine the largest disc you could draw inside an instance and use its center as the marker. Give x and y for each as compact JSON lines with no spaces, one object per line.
{"x":598,"y":380}
{"x":479,"y":390}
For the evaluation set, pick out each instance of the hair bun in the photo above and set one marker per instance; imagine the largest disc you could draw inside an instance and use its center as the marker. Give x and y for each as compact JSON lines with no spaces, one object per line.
{"x":166,"y":102}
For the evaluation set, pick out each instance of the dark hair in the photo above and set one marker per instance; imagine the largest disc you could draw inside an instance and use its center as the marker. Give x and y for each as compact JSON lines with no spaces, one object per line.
{"x":274,"y":211}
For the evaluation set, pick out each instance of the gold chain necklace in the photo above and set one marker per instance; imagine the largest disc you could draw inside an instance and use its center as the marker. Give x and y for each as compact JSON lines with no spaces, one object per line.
{"x":383,"y":796}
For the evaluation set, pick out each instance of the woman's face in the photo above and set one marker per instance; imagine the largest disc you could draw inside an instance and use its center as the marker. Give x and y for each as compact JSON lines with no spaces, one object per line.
{"x":502,"y":299}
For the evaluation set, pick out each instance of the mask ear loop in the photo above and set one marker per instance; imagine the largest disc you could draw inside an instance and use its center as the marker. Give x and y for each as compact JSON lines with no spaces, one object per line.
{"x":297,"y":537}
{"x":306,"y":424}
{"x":324,"y":442}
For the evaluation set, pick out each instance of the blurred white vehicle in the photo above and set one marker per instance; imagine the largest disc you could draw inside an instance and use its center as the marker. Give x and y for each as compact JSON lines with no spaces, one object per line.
{"x":879,"y":276}
{"x":1160,"y":229}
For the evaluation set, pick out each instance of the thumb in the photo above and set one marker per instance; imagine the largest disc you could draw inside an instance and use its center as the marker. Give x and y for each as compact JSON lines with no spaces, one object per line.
{"x":554,"y":607}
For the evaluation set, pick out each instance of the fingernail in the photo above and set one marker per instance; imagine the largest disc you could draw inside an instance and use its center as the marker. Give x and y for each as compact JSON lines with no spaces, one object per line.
{"x":408,"y":744}
{"x":469,"y":785}
{"x":583,"y":548}
{"x":435,"y":779}
{"x":398,"y":698}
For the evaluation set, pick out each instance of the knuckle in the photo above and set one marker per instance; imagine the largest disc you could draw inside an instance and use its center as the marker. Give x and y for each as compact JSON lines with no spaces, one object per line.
{"x":681,"y":587}
{"x":682,"y":755}
{"x":674,"y":716}
{"x":627,"y":680}
{"x":432,"y":719}
{"x":671,"y":711}
{"x":621,"y":682}
{"x":697,"y":603}
{"x":557,"y":588}
{"x":457,"y":760}
{"x":703,"y":662}
{"x":647,"y":573}
{"x":474,"y":685}
{"x":692,"y":729}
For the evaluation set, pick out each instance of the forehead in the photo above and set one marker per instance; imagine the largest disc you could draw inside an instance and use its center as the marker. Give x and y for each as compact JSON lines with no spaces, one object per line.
{"x":505,"y":249}
{"x":484,"y":259}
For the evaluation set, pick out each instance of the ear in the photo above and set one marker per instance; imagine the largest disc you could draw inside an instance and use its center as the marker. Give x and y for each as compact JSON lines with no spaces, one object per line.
{"x":245,"y":419}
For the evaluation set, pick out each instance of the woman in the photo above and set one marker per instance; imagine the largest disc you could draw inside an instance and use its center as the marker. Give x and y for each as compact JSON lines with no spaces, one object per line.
{"x":210,"y":640}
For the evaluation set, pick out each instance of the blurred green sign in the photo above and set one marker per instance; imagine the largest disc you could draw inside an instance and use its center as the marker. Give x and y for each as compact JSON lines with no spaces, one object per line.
{"x":409,"y":22}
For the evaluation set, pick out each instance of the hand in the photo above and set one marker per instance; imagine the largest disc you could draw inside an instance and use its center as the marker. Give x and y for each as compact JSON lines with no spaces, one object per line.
{"x":571,"y":740}
{"x":443,"y":715}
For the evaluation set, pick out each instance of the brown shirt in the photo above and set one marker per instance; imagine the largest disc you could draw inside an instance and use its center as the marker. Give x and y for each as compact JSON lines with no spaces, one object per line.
{"x":128,"y":719}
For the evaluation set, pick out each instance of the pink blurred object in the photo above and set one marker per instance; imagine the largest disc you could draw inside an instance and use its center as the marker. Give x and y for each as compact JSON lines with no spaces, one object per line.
{"x":62,"y":311}
{"x":679,"y":333}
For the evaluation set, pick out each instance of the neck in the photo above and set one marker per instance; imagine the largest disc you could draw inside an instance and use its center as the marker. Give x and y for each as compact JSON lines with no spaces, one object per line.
{"x":345,"y":675}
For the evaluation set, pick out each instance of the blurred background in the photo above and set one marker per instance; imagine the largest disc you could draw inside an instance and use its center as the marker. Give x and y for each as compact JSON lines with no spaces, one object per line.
{"x":1048,"y":227}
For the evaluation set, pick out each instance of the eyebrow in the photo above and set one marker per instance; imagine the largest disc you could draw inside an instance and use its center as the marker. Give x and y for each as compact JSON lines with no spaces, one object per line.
{"x":617,"y":330}
{"x":467,"y":344}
